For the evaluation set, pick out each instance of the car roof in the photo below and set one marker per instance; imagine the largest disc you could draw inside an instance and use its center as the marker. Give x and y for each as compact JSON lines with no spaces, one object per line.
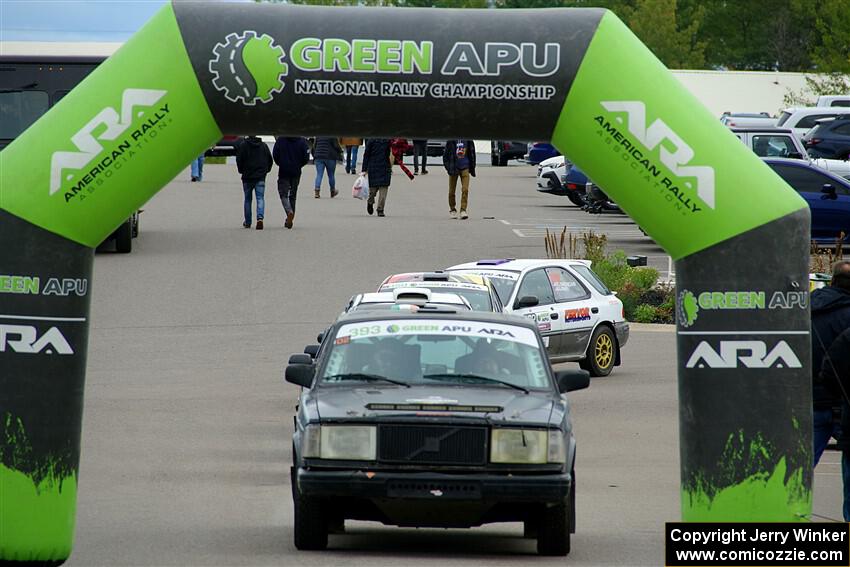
{"x":389,"y":297}
{"x":807,"y":165}
{"x":517,"y":265}
{"x":482,"y":316}
{"x":818,"y":110}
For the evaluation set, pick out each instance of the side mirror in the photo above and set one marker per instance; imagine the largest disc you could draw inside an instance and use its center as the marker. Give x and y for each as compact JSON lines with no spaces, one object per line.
{"x":526,"y":301}
{"x":312,"y":350}
{"x":572,"y":380}
{"x":301,"y":359}
{"x":828,"y":191}
{"x":320,"y":337}
{"x":300,"y":374}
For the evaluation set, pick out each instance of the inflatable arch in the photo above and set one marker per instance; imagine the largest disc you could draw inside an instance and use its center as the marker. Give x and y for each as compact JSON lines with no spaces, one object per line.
{"x":577,"y":77}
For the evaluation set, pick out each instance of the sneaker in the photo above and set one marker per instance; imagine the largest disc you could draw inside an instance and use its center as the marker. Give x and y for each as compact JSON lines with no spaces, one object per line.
{"x":259,"y":224}
{"x":415,"y":172}
{"x":194,"y":179}
{"x":453,"y":214}
{"x":289,"y":217}
{"x":316,"y":193}
{"x":381,"y":214}
{"x":246,"y":225}
{"x":463,"y":215}
{"x":334,"y":193}
{"x":369,"y":208}
{"x":424,"y":172}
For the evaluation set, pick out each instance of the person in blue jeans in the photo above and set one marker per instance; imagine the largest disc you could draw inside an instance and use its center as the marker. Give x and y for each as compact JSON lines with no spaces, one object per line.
{"x":326,"y":152}
{"x":254,"y":161}
{"x":198,"y":168}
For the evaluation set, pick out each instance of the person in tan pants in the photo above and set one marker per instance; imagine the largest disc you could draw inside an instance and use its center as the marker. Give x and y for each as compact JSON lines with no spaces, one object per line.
{"x":459,"y":161}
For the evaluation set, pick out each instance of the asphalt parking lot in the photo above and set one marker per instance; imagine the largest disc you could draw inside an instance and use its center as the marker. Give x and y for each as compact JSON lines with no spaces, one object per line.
{"x":186,"y":433}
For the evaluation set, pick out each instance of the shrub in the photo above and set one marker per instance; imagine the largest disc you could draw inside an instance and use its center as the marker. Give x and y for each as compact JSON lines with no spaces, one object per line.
{"x":645,"y":314}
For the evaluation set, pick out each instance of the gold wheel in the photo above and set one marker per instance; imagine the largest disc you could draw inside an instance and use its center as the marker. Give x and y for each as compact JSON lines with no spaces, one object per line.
{"x":604,"y":351}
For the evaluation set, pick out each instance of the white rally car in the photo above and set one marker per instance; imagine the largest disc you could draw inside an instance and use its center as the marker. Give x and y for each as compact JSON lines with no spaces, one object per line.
{"x":579,"y":317}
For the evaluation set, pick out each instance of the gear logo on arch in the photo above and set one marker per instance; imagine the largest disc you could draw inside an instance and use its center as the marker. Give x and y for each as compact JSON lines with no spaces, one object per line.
{"x":248,"y":68}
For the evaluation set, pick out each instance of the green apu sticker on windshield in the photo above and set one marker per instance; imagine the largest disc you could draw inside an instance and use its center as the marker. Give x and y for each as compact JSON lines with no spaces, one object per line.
{"x":479,"y":329}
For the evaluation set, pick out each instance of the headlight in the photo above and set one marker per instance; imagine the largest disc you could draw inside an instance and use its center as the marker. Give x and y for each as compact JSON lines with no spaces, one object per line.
{"x":340,"y":442}
{"x":526,"y":446}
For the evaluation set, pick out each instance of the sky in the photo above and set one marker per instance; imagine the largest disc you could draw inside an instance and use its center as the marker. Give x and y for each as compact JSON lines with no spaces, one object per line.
{"x":74,"y":20}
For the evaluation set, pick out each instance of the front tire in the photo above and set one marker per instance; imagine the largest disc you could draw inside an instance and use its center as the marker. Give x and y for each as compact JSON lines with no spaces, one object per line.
{"x":311,"y":523}
{"x":553,"y":531}
{"x":601,"y":352}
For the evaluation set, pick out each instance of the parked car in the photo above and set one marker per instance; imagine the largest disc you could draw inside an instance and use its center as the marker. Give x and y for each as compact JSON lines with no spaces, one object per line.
{"x":772,"y":142}
{"x":559,"y":176}
{"x":781,"y":142}
{"x":502,"y":151}
{"x":578,"y":316}
{"x":539,"y":151}
{"x":828,"y":196}
{"x":801,"y":120}
{"x":433,"y":420}
{"x":834,"y":100}
{"x":747,"y":120}
{"x":224,"y":147}
{"x":830,"y":139}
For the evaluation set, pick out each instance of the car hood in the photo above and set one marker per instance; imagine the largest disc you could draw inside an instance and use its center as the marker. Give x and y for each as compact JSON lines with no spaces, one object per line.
{"x":493,"y":404}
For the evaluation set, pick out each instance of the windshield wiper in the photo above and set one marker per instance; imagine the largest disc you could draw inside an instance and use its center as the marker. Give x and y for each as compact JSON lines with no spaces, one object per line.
{"x":364,"y":376}
{"x":440,"y":376}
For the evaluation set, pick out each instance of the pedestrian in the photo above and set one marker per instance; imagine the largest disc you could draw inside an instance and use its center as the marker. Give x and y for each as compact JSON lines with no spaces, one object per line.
{"x":198,"y":168}
{"x":326,"y":153}
{"x":399,"y":147}
{"x":290,"y":155}
{"x":830,"y":306}
{"x":420,"y":149}
{"x":378,"y":169}
{"x":352,"y":146}
{"x":254,"y":161}
{"x":459,"y":161}
{"x":835,"y":374}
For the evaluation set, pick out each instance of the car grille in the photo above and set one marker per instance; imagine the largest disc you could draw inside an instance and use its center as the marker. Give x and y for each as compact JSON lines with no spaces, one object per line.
{"x":433,"y":444}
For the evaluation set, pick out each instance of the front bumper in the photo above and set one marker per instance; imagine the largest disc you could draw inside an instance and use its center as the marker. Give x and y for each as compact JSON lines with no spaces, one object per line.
{"x":548,"y":182}
{"x":622,"y":331}
{"x":434,"y":486}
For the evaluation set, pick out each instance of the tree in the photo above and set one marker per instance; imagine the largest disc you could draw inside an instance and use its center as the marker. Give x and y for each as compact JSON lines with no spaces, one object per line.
{"x":655,"y":23}
{"x":832,"y":53}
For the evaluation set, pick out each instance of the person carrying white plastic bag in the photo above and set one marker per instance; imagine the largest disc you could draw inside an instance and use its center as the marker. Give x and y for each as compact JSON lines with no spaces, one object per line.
{"x":360,"y":190}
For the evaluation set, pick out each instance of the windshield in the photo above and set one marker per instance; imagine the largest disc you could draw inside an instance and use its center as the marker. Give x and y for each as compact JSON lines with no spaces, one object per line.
{"x":18,"y":110}
{"x":503,"y":280}
{"x":437,"y":352}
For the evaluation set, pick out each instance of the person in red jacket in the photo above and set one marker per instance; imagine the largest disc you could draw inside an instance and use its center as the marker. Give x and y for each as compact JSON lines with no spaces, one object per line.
{"x":398,"y":147}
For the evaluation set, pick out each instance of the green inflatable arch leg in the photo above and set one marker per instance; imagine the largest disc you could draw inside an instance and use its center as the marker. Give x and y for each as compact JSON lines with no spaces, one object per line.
{"x":737,"y":232}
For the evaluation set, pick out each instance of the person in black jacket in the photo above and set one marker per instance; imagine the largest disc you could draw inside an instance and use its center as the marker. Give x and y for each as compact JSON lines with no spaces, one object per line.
{"x":835,"y":373}
{"x":459,"y":161}
{"x":378,"y":170}
{"x":254,"y":162}
{"x":290,"y":155}
{"x":326,"y":152}
{"x":830,"y":318}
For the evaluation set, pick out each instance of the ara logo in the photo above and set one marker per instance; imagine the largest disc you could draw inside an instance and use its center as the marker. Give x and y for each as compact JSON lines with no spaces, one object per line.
{"x":248,"y":68}
{"x":750,"y":354}
{"x":652,"y":136}
{"x":25,"y":340}
{"x":110,"y":124}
